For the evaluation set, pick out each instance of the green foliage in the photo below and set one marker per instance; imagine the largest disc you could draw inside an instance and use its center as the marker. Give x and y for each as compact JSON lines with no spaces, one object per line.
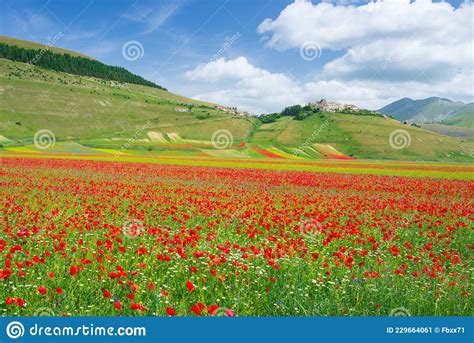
{"x":71,"y":64}
{"x":298,"y":112}
{"x":292,"y":111}
{"x":269,"y":118}
{"x":361,"y":112}
{"x":203,"y":116}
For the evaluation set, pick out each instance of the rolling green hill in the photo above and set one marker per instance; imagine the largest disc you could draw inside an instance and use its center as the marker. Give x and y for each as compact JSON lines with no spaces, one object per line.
{"x":88,"y":115}
{"x":76,"y":65}
{"x":32,"y":45}
{"x":85,"y":108}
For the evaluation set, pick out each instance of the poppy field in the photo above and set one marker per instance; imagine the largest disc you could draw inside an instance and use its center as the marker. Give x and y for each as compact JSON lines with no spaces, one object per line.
{"x":85,"y":237}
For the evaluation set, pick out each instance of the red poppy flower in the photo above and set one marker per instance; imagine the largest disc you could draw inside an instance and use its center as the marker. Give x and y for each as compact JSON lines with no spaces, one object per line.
{"x":136,"y":306}
{"x":229,"y":313}
{"x":5,"y":273}
{"x":107,"y":294}
{"x":196,"y":310}
{"x":73,"y":270}
{"x":20,"y":302}
{"x":170,"y":311}
{"x":42,"y":290}
{"x":211,"y":309}
{"x":118,"y":305}
{"x":190,"y":286}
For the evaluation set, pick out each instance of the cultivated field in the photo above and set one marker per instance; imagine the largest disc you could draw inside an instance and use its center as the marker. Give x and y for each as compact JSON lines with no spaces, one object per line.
{"x":89,"y":235}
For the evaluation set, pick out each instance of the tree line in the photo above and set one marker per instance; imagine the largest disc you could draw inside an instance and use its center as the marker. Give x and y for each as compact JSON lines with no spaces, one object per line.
{"x":72,"y":64}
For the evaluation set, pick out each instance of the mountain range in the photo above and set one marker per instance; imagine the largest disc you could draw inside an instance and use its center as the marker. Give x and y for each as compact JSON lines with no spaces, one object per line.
{"x":433,"y":110}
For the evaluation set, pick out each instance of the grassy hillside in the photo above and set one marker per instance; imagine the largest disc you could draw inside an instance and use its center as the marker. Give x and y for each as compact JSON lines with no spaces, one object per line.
{"x":32,"y":45}
{"x":463,"y":117}
{"x":63,"y":62}
{"x":359,"y":136}
{"x":82,"y":108}
{"x":94,"y":116}
{"x":450,"y":130}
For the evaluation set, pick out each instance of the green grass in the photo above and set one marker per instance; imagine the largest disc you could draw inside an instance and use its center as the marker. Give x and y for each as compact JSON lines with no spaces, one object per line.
{"x":450,"y":130}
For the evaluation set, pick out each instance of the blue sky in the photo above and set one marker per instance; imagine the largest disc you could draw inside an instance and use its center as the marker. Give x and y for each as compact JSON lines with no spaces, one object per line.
{"x":250,"y":53}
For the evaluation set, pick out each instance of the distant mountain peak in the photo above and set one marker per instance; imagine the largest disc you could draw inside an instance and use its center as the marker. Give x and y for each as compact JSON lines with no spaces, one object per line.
{"x":430,"y":110}
{"x":437,"y":98}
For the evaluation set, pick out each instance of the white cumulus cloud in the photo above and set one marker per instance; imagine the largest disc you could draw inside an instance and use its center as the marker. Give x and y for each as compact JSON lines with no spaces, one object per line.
{"x":392,"y":40}
{"x":386,"y":50}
